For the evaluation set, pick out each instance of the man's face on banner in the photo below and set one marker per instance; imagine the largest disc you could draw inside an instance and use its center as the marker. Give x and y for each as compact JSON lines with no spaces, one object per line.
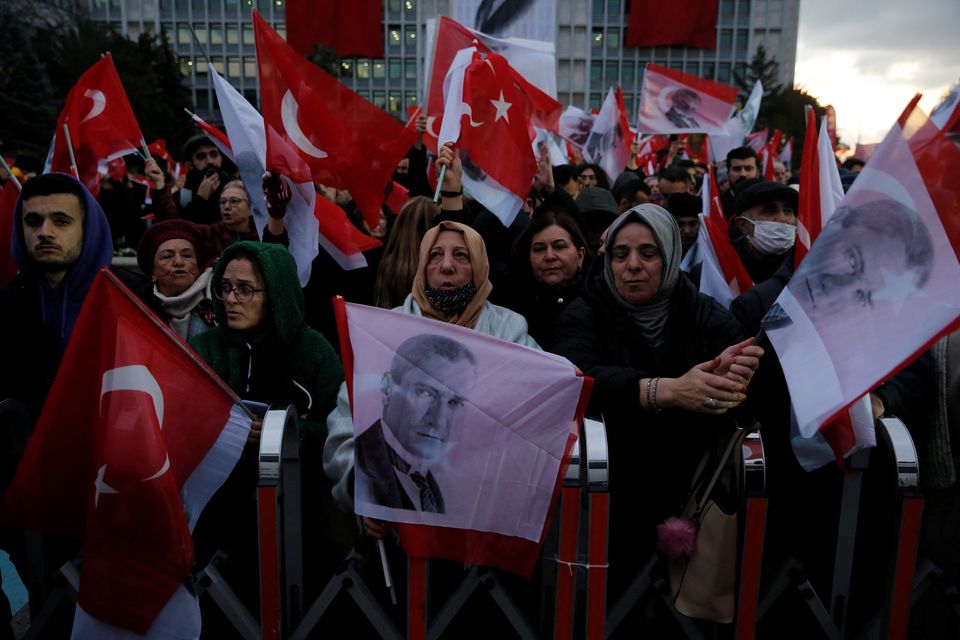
{"x":422,"y":406}
{"x":879,"y":253}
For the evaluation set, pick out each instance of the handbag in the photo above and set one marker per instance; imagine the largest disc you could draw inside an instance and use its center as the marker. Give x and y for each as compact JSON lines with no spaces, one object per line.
{"x":703,"y":584}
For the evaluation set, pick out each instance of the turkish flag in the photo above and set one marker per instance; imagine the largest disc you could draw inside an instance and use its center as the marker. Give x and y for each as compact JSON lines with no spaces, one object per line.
{"x":349,"y":27}
{"x":675,"y":102}
{"x":686,"y":23}
{"x":8,"y":205}
{"x":453,"y":37}
{"x":722,"y":276}
{"x":340,"y":139}
{"x":101,"y":124}
{"x":217,"y":137}
{"x":158,"y":149}
{"x":397,"y":197}
{"x":878,"y":286}
{"x":135,"y":437}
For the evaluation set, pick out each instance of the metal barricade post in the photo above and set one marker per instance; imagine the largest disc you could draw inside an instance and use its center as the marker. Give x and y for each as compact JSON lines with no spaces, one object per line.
{"x":566,"y":576}
{"x":278,"y":451}
{"x":754,"y":524}
{"x":598,"y":488}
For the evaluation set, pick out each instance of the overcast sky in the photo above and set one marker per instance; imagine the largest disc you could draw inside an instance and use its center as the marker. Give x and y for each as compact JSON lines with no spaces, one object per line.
{"x":869,"y":57}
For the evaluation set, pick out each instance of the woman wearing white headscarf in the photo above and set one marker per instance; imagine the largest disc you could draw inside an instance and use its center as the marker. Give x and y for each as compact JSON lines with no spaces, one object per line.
{"x":671,"y":369}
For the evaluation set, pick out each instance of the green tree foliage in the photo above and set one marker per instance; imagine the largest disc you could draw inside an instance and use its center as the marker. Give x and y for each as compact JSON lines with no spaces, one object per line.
{"x":782,"y":107}
{"x":28,"y":114}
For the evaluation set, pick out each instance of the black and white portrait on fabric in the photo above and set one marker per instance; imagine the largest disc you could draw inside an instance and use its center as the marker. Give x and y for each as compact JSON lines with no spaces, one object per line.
{"x":880,"y":276}
{"x":532,"y":19}
{"x":453,"y":427}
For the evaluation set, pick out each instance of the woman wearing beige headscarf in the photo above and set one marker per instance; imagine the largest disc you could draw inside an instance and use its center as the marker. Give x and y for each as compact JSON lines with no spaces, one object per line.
{"x":451,"y":285}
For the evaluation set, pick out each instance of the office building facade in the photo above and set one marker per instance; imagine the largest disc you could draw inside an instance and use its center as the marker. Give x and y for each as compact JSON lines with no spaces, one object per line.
{"x":589,"y":43}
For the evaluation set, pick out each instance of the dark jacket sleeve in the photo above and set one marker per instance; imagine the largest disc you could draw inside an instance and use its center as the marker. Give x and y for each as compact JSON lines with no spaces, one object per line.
{"x":911,"y":394}
{"x":164,"y":208}
{"x":578,"y":336}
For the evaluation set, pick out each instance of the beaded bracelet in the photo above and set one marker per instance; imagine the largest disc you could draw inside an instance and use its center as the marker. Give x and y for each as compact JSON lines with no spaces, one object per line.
{"x":649,"y":380}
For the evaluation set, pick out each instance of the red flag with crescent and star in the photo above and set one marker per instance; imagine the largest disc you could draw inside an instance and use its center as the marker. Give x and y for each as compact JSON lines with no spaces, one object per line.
{"x":341,"y":140}
{"x":101,"y":124}
{"x":135,"y":437}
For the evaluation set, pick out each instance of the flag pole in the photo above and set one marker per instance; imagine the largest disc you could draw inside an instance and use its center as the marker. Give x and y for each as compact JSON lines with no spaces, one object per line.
{"x":146,"y":150}
{"x":387,"y":577}
{"x":3,"y":161}
{"x":436,"y":195}
{"x":73,"y":158}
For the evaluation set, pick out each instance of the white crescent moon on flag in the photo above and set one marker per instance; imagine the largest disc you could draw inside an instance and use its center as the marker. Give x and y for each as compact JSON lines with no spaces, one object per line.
{"x":662,"y":97}
{"x":137,"y":378}
{"x":99,"y":104}
{"x":430,"y":121}
{"x":468,"y":111}
{"x":288,"y":115}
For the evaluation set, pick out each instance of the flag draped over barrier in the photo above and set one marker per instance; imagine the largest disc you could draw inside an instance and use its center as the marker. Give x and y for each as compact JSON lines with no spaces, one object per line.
{"x":460,"y":437}
{"x":136,"y":436}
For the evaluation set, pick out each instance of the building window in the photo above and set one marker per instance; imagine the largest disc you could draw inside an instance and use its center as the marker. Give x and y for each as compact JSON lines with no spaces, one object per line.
{"x":597,"y":8}
{"x":233,"y":67}
{"x":394,"y":68}
{"x":380,"y":99}
{"x":379,"y":70}
{"x":596,"y":74}
{"x":629,"y":74}
{"x":410,"y":36}
{"x":410,"y":7}
{"x":596,"y":100}
{"x":410,"y":68}
{"x":203,"y":100}
{"x":742,"y":41}
{"x":363,"y":68}
{"x":393,"y":37}
{"x":613,"y":39}
{"x":725,"y":45}
{"x":596,"y":38}
{"x":186,"y":66}
{"x":250,"y":68}
{"x":613,"y":71}
{"x":183,"y":34}
{"x":411,"y":98}
{"x":614,"y":8}
{"x":233,"y":34}
{"x":248,"y":34}
{"x":216,"y":34}
{"x":346,"y":68}
{"x":394,"y":103}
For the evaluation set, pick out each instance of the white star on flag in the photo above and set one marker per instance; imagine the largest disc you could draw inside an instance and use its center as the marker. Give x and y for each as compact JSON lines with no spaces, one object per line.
{"x":896,"y":288}
{"x":101,"y":486}
{"x":501,"y":106}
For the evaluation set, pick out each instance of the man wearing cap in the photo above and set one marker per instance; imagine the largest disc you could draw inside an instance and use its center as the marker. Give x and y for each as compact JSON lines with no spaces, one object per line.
{"x":200,"y":196}
{"x":767,"y":223}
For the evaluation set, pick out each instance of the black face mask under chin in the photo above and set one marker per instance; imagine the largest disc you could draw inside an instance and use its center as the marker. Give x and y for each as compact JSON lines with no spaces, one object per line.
{"x":451,"y":302}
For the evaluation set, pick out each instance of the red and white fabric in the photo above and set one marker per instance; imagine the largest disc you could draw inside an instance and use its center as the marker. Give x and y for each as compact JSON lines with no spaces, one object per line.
{"x":101,"y":123}
{"x":706,"y":106}
{"x":608,"y":144}
{"x":737,"y":127}
{"x":338,"y":138}
{"x":141,"y":434}
{"x":878,"y":285}
{"x":500,"y":469}
{"x":311,"y":221}
{"x":488,"y":117}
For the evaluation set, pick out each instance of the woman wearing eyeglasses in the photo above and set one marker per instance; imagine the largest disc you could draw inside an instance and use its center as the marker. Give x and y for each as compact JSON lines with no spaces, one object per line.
{"x":264,"y":351}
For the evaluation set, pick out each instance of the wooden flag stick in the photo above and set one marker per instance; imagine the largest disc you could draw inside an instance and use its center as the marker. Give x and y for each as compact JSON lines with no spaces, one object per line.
{"x":73,"y":158}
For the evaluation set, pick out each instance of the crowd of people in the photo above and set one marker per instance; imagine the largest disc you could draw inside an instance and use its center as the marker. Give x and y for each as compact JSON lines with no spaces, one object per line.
{"x":590,"y":270}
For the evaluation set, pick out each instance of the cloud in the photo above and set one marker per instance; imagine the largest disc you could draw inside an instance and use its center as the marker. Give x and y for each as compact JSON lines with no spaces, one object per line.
{"x":868,"y":57}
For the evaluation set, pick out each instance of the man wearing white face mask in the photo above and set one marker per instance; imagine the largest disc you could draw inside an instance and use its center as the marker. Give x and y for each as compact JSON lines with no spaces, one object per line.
{"x":767,"y":221}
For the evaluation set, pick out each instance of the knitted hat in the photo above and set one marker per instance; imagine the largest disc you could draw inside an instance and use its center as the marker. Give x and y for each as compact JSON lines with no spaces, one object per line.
{"x":169,"y":230}
{"x":595,"y":199}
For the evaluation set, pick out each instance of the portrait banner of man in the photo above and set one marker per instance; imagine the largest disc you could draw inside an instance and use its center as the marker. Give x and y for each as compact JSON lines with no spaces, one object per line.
{"x":608,"y":144}
{"x":676,"y":102}
{"x":454,"y":428}
{"x":532,"y":19}
{"x":879,"y":283}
